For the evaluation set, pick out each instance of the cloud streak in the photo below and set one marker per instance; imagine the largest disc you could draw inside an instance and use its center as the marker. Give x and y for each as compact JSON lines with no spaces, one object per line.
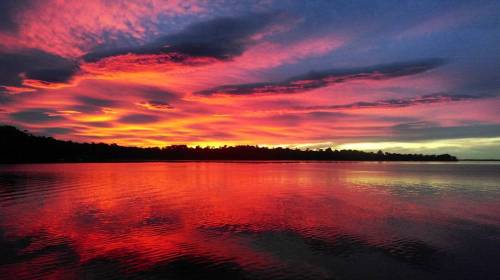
{"x":38,"y":115}
{"x":139,"y":119}
{"x":426,"y":130}
{"x":320,"y":79}
{"x":398,"y":102}
{"x":219,"y":38}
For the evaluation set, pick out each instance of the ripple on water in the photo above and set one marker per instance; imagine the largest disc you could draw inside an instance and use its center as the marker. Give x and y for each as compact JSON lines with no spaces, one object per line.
{"x":243,"y":221}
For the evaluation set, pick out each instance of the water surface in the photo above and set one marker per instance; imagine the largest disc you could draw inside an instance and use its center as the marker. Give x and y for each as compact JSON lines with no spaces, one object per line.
{"x":227,"y":220}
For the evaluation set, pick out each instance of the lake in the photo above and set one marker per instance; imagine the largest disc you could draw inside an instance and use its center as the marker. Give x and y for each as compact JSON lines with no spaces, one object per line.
{"x":250,"y":220}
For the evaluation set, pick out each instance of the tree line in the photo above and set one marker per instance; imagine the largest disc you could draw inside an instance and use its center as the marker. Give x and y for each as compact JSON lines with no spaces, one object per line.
{"x":18,"y":146}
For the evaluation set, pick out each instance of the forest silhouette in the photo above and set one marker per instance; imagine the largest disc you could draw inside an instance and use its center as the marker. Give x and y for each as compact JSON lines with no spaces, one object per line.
{"x":18,"y":146}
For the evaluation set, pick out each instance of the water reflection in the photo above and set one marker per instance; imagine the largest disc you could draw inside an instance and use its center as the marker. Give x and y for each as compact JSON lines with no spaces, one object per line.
{"x":250,"y":221}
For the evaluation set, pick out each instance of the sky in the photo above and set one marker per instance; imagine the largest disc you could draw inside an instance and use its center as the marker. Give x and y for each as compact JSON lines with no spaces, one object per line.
{"x":401,"y":76}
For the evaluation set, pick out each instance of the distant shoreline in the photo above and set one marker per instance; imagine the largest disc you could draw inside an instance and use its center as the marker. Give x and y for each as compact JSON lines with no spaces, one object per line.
{"x":244,"y":161}
{"x":18,"y":146}
{"x":479,"y":159}
{"x":235,"y":161}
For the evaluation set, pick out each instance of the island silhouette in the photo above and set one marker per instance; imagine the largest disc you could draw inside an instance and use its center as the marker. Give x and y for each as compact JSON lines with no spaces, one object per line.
{"x":18,"y":146}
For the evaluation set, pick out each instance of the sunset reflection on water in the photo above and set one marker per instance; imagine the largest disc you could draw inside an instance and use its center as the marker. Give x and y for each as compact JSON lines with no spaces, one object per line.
{"x":247,"y":220}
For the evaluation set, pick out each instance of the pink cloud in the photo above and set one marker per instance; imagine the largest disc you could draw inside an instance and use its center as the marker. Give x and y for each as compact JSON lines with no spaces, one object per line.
{"x":71,"y":28}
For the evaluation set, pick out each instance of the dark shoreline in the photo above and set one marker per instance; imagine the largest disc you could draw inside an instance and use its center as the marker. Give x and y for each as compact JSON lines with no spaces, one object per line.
{"x":251,"y":161}
{"x":479,"y":160}
{"x":18,"y":146}
{"x":233,"y":161}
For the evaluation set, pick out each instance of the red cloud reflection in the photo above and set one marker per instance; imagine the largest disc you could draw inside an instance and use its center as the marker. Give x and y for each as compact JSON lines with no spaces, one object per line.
{"x":144,"y":215}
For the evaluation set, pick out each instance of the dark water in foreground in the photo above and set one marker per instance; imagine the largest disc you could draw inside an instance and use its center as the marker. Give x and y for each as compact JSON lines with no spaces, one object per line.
{"x":195,"y":220}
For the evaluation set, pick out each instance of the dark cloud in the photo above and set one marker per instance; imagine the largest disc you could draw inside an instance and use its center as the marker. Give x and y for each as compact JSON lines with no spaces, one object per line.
{"x":219,"y":38}
{"x":430,"y":131}
{"x":92,"y":105}
{"x":56,"y":75}
{"x":9,"y":9}
{"x":139,"y":119}
{"x":58,"y":131}
{"x":292,"y":119}
{"x":157,"y":99}
{"x":317,"y":115}
{"x":89,"y":109}
{"x":400,"y":102}
{"x":97,"y":102}
{"x":35,"y":116}
{"x":99,"y":124}
{"x":34,"y":64}
{"x":319,"y":79}
{"x":4,"y":96}
{"x":154,"y":93}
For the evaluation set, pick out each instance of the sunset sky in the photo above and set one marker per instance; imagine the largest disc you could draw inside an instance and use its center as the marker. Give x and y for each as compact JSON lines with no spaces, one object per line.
{"x":401,"y":76}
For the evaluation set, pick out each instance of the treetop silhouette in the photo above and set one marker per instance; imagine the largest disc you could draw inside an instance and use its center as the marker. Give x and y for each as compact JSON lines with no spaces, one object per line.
{"x":21,"y":147}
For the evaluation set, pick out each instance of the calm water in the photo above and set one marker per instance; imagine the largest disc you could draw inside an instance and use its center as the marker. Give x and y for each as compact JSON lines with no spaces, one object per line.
{"x":198,"y":220}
